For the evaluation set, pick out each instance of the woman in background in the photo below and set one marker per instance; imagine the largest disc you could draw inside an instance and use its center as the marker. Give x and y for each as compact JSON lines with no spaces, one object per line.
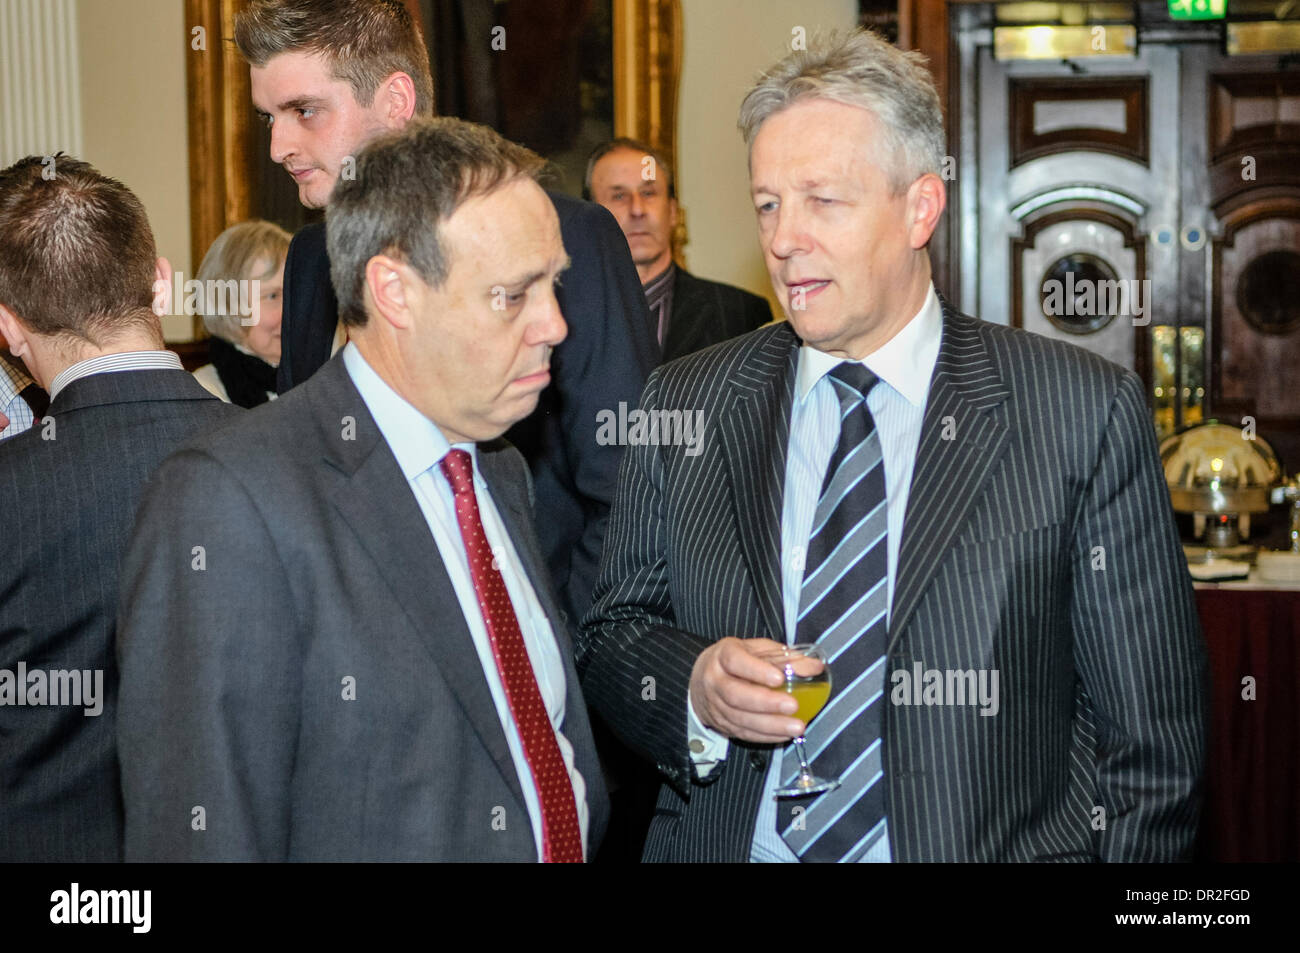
{"x":244,"y":358}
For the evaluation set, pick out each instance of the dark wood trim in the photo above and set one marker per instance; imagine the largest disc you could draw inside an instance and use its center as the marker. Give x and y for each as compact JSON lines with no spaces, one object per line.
{"x":221,"y":133}
{"x":1024,"y":93}
{"x":1132,"y":239}
{"x":647,"y":77}
{"x":923,"y":26}
{"x":1225,"y":142}
{"x":1272,"y":147}
{"x":1258,"y":208}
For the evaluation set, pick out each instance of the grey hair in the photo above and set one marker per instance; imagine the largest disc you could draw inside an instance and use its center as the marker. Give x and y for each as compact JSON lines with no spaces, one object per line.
{"x":633,"y":145}
{"x":235,"y":255}
{"x":406,"y":185}
{"x":860,"y":68}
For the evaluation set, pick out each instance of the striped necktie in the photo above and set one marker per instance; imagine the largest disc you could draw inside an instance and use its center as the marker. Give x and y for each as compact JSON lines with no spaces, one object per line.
{"x":842,"y":607}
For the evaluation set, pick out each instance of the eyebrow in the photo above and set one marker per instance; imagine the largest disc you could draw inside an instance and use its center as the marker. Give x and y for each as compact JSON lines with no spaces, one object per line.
{"x":807,"y":185}
{"x":302,"y":102}
{"x":534,"y":276}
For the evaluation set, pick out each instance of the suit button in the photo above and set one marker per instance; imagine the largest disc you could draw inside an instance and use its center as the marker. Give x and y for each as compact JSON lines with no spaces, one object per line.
{"x":564,"y":617}
{"x":757,"y":761}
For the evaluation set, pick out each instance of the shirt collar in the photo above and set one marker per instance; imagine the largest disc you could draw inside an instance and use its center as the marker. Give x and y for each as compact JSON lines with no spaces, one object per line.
{"x":905,"y":362}
{"x":660,"y":282}
{"x":113,"y":363}
{"x":415,"y":440}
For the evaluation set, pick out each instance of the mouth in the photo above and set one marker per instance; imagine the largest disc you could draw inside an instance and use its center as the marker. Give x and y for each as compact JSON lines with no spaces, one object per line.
{"x":537,"y":379}
{"x":300,"y":174}
{"x":803,"y":290}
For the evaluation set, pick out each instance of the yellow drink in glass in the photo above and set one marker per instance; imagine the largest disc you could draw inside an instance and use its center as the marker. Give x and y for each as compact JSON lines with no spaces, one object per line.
{"x":810,"y":694}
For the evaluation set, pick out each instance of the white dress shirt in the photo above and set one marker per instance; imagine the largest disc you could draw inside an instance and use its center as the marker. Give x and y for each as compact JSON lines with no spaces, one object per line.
{"x":904,"y":365}
{"x":419,"y":447}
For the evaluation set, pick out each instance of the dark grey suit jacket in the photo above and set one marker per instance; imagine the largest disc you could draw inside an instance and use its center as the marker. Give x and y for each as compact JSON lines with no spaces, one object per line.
{"x":317,"y":580}
{"x":66,"y":506}
{"x":706,"y":312}
{"x":1036,"y":458}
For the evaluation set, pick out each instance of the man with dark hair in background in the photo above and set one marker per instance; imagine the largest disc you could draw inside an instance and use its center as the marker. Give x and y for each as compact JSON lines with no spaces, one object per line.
{"x":372,"y":665}
{"x":687,"y":313}
{"x":77,"y":281}
{"x":329,"y":75}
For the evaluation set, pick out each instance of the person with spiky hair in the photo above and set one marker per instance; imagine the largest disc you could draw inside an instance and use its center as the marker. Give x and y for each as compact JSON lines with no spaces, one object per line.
{"x":78,"y":277}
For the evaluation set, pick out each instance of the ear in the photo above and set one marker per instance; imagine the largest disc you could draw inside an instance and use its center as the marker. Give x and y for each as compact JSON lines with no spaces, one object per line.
{"x":12,"y":330}
{"x":162,"y":287}
{"x":926,"y":199}
{"x":672,"y":213}
{"x":396,"y":99}
{"x":391,"y":291}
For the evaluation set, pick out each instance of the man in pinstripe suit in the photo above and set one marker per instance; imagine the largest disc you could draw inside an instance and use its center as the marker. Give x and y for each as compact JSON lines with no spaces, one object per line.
{"x":939,"y":502}
{"x":78,"y":271}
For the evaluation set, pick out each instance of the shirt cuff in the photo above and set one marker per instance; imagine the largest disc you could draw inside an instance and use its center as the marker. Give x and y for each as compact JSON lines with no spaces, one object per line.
{"x":708,"y":748}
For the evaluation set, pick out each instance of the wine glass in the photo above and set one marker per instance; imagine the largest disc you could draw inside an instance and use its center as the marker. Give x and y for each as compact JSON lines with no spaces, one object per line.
{"x":808,"y":680}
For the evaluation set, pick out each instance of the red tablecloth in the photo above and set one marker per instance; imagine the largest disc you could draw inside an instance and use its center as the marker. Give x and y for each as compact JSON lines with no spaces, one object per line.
{"x":1252,"y":803}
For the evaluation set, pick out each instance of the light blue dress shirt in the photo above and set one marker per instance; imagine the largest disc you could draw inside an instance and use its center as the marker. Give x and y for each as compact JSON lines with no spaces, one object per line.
{"x":904,"y":365}
{"x":13,"y":379}
{"x":419,"y":447}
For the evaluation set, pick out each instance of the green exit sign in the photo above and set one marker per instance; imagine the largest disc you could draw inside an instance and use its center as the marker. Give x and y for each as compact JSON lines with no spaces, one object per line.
{"x":1197,"y":9}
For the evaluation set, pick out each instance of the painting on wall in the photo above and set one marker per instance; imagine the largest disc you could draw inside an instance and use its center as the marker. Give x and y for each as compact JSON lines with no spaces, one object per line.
{"x":881,"y":16}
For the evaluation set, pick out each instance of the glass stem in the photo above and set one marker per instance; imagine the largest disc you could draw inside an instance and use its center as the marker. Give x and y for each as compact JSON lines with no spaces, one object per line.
{"x":805,"y":772}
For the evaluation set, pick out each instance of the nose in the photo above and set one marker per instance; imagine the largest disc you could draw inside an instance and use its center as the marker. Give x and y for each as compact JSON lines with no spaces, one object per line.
{"x":787,"y":236}
{"x":272,"y":316}
{"x":638,"y":205}
{"x":281,"y":142}
{"x":549,"y":327}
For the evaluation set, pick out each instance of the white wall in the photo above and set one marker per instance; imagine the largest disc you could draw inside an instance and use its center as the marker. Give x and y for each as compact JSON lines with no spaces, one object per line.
{"x":134,"y":115}
{"x":726,"y":44}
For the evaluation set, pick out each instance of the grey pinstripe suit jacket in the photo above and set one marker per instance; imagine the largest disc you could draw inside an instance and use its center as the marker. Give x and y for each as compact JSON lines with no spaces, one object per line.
{"x":66,"y":506}
{"x":1038,"y":541}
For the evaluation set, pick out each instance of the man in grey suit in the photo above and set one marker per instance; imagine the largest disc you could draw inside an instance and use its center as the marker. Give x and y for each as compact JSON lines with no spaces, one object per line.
{"x":970,"y":520}
{"x":77,"y":277}
{"x":339,"y":641}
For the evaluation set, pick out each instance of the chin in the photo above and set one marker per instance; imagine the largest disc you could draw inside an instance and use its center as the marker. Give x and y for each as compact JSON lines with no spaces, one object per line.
{"x":522,"y":408}
{"x":309,"y":196}
{"x":811,"y":328}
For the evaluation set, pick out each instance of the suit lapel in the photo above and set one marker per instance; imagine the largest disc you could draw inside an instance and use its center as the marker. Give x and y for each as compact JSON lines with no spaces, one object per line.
{"x":755,"y":431}
{"x":961,"y":440}
{"x":376,"y":501}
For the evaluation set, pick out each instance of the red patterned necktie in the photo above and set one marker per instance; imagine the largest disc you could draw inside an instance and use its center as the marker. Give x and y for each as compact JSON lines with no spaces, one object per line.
{"x":561,"y":835}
